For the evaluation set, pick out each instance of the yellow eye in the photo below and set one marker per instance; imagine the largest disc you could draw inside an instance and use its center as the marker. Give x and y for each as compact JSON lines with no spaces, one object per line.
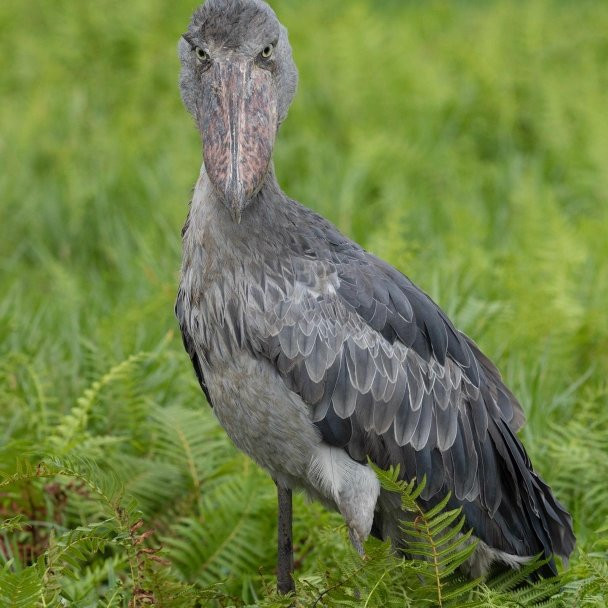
{"x":201,"y":54}
{"x":267,"y":52}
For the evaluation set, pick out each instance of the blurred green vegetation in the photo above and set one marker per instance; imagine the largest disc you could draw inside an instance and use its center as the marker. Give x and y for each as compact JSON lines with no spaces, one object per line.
{"x":465,"y":142}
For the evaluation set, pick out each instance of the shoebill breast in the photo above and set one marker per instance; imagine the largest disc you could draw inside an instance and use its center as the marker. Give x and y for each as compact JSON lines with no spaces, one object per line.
{"x":316,"y":355}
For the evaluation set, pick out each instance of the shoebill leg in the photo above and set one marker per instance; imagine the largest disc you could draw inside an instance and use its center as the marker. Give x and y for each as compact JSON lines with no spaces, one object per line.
{"x":285,"y":583}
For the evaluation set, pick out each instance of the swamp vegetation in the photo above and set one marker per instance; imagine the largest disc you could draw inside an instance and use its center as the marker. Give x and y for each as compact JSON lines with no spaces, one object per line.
{"x":465,"y":142}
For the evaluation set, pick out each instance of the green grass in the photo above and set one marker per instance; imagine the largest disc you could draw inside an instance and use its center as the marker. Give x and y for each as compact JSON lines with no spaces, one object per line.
{"x":465,"y":142}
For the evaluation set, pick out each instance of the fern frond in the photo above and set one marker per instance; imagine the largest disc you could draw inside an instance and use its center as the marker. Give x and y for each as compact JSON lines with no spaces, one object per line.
{"x":587,"y":583}
{"x":67,"y":555}
{"x":434,"y":536}
{"x":22,"y":589}
{"x":97,"y":575}
{"x":156,"y":485}
{"x":191,"y":440}
{"x":13,"y":524}
{"x":229,"y":538}
{"x":72,"y":428}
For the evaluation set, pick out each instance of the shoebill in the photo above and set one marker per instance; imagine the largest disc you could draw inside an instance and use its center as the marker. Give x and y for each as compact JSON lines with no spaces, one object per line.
{"x":314,"y":354}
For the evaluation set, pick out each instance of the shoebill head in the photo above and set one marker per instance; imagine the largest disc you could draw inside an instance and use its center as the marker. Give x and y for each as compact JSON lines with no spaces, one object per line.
{"x":237,"y":80}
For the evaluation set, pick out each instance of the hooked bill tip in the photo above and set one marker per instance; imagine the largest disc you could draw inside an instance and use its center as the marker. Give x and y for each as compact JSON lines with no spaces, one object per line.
{"x":236,"y":214}
{"x":236,"y":199}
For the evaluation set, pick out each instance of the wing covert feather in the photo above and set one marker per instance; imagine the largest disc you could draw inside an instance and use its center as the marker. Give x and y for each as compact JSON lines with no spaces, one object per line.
{"x":388,"y":377}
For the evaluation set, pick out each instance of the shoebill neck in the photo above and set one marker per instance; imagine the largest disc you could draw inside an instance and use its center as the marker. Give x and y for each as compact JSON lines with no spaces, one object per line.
{"x":262,"y":210}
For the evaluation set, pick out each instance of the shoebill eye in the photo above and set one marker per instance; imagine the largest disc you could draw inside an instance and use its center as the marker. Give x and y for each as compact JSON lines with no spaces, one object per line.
{"x":267,"y":52}
{"x":201,"y":54}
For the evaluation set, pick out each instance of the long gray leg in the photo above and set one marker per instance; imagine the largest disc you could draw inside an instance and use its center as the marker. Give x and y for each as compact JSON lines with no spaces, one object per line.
{"x":285,"y":583}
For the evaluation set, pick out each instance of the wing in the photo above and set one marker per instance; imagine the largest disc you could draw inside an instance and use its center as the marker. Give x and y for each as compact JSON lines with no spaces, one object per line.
{"x":388,"y":377}
{"x":180,"y":313}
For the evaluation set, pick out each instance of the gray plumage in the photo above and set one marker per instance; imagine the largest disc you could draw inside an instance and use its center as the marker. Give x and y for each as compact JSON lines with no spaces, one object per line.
{"x":315,"y":354}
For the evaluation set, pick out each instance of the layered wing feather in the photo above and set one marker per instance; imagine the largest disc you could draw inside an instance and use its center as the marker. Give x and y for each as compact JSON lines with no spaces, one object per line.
{"x":387,"y":376}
